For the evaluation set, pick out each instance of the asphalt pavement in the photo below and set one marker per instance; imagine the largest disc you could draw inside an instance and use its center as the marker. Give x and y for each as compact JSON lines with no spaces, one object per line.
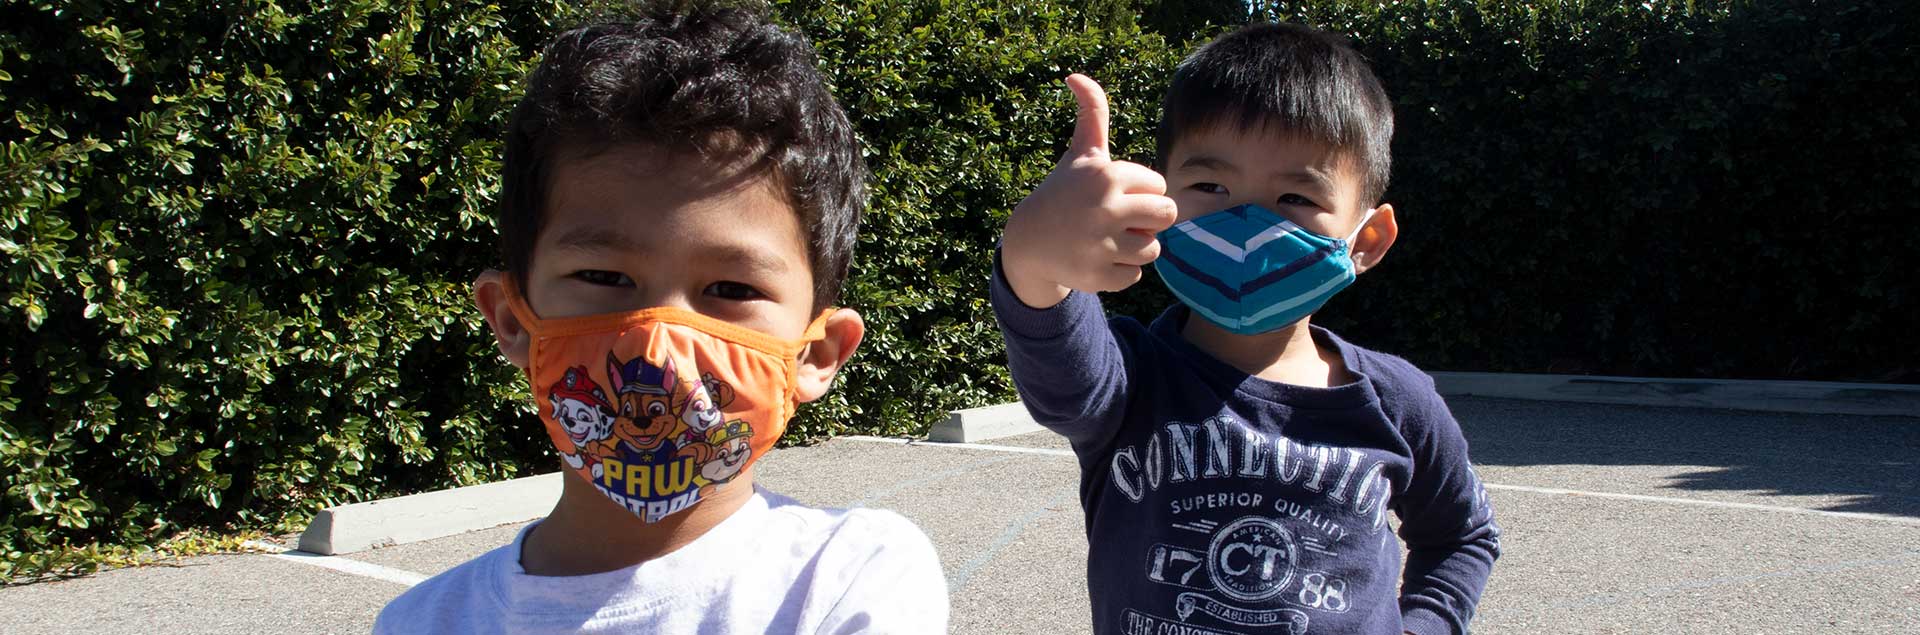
{"x":1617,"y":519}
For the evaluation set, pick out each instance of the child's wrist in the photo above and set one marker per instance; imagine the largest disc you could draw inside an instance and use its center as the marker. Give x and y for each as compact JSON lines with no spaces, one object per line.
{"x":1033,"y":291}
{"x":1023,"y":278}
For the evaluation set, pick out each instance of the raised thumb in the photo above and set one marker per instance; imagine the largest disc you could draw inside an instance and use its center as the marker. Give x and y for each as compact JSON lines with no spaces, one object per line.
{"x":1090,"y":125}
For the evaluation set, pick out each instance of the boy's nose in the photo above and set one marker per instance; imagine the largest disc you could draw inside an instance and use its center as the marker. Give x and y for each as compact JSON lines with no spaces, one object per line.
{"x":656,"y":296}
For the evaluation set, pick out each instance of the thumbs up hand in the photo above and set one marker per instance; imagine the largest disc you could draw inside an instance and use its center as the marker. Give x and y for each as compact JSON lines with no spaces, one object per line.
{"x":1090,"y":225}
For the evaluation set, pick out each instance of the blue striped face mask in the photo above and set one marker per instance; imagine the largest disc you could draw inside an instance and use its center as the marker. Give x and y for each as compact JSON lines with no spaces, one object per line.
{"x":1251,"y":270}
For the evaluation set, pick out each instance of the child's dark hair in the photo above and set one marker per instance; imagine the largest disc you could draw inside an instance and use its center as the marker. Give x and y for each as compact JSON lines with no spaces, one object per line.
{"x":717,"y":79}
{"x":1293,"y":78}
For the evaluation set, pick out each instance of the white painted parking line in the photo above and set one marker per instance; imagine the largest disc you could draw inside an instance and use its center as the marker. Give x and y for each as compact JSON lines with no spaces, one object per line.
{"x":1746,"y":453}
{"x":343,"y":565}
{"x":963,"y":446}
{"x":1887,"y":518}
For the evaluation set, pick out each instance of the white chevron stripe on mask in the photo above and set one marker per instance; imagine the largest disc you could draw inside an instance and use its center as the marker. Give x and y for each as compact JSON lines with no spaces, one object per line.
{"x":1238,"y":253}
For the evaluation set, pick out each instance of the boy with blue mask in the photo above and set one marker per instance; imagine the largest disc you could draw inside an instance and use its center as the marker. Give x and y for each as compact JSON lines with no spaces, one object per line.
{"x":1237,"y":463}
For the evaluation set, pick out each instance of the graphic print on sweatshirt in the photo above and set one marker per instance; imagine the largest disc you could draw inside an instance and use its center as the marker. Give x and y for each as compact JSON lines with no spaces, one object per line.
{"x":1255,"y":532}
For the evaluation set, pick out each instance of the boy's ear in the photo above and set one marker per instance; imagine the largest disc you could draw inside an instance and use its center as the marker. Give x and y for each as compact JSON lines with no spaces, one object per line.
{"x":1375,"y":239}
{"x":824,"y":359}
{"x":490,"y":295}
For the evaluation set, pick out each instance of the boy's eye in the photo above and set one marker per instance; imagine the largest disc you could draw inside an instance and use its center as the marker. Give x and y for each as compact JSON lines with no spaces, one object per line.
{"x":603,"y":278}
{"x":1211,"y":188}
{"x":730,"y":290}
{"x":1296,"y":199}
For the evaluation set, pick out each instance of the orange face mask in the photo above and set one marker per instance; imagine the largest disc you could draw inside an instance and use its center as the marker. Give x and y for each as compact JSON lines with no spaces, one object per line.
{"x":660,"y":407}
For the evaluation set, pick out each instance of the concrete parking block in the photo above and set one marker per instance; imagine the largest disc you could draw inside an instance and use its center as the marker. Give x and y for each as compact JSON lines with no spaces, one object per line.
{"x":974,"y":425}
{"x":432,"y":557}
{"x":405,"y":519}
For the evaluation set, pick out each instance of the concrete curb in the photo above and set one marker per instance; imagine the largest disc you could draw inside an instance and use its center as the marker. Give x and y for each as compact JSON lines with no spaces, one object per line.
{"x":980,"y":424}
{"x":1807,"y":397}
{"x":405,"y":519}
{"x":393,"y":521}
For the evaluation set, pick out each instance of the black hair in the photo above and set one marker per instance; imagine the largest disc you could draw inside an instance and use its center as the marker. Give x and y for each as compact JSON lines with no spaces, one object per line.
{"x":717,"y":79}
{"x":1297,"y":79}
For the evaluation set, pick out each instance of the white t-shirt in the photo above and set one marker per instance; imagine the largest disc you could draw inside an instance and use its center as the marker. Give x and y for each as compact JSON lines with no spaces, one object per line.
{"x":774,"y":566}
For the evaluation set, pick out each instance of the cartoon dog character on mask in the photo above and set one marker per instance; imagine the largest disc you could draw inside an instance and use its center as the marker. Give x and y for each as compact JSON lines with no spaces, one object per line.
{"x":699,"y":410}
{"x":646,"y":416}
{"x":582,"y":409}
{"x":724,"y":454}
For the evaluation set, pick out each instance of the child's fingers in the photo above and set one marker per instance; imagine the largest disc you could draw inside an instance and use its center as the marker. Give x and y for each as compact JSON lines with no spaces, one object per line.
{"x":1150,"y":213}
{"x":1135,"y":248}
{"x":1133,"y":178}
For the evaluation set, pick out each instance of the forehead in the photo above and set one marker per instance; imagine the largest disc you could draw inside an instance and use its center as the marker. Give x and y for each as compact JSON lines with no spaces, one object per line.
{"x":635,"y":197}
{"x":1261,"y":147}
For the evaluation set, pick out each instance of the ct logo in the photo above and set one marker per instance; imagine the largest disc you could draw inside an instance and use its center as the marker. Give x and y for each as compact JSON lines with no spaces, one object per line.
{"x":1251,"y":559}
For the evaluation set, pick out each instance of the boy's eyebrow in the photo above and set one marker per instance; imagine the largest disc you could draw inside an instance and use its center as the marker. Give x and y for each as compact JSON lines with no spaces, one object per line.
{"x":1209,"y":162}
{"x":1315,"y":177}
{"x":602,"y":239}
{"x":746,"y":257}
{"x":587,"y":238}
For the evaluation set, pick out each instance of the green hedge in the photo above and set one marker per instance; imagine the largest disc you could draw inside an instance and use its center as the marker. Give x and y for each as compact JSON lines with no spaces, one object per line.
{"x":1683,"y":189}
{"x":962,"y":110}
{"x":237,"y":244}
{"x":237,"y":237}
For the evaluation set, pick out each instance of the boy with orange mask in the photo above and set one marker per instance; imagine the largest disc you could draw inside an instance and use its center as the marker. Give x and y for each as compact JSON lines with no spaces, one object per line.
{"x":680,"y":202}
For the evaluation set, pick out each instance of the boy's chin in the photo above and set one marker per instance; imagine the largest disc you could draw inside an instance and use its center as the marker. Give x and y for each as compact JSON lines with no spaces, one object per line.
{"x":1196,"y":323}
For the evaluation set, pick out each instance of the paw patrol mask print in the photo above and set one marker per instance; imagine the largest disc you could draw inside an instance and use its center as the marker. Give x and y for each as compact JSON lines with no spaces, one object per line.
{"x":660,"y":407}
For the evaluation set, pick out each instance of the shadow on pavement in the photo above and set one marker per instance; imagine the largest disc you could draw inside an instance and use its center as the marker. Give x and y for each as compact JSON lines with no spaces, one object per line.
{"x":1848,"y":463}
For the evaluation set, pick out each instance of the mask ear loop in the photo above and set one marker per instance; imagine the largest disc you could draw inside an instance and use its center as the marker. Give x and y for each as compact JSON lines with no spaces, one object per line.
{"x":517,"y":303}
{"x":1356,"y":230}
{"x":816,"y":331}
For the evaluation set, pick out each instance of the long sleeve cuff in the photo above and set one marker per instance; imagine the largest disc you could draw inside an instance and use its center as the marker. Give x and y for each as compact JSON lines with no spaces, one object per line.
{"x":1038,"y":324}
{"x":1424,"y":621}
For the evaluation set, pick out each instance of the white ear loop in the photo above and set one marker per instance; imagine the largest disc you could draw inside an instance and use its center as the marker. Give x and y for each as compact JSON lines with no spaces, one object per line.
{"x":1357,"y":228}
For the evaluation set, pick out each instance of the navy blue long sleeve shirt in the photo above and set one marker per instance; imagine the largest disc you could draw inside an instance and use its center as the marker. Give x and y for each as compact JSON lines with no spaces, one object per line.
{"x":1221,"y":503}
